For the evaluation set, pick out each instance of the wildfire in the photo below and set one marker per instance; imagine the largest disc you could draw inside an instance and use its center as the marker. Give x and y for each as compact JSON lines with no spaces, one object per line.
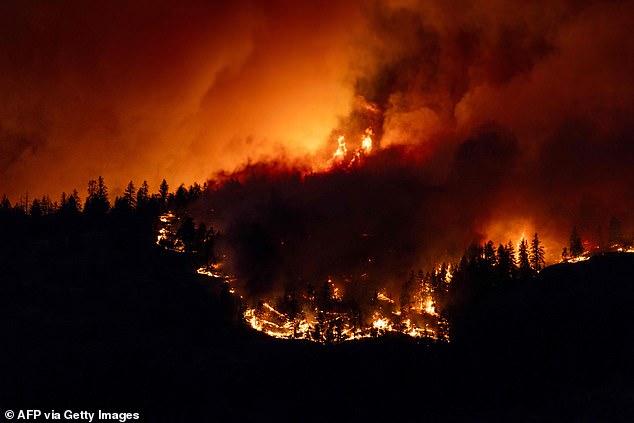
{"x":429,"y":307}
{"x":577,"y":259}
{"x":382,"y":323}
{"x":330,"y":314}
{"x":588,"y":253}
{"x":213,"y":270}
{"x":341,"y":153}
{"x":382,"y":297}
{"x":328,"y":320}
{"x":366,"y":141}
{"x":167,"y":236}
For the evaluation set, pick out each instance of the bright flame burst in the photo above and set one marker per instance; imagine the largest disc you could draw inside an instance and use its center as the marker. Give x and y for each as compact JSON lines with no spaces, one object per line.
{"x":167,"y":237}
{"x":341,"y":158}
{"x":366,"y":141}
{"x":342,"y":150}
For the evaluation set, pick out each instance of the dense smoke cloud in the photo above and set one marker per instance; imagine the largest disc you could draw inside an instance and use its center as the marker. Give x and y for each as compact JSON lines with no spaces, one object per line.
{"x":495,"y":121}
{"x":556,"y":77}
{"x":147,"y":90}
{"x":493,"y":118}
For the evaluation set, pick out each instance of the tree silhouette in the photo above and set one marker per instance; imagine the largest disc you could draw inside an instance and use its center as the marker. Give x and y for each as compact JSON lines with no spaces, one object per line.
{"x":489,"y":255}
{"x":102,"y":190}
{"x":187,"y":233}
{"x":5,"y":204}
{"x":510,"y":248}
{"x":97,"y":203}
{"x":576,"y":247}
{"x":194,"y":192}
{"x":524,"y":264}
{"x":506,"y":269}
{"x":70,"y":206}
{"x":325,"y":296}
{"x":537,"y":254}
{"x":182,"y":196}
{"x":143,"y":195}
{"x":129,"y":196}
{"x":74,"y":201}
{"x":35,"y":210}
{"x":47,"y":206}
{"x":205,"y":240}
{"x":163,"y":192}
{"x":564,"y":254}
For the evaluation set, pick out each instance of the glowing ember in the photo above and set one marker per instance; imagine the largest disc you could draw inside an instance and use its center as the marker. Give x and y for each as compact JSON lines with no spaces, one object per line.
{"x":214,"y":271}
{"x":382,"y":297}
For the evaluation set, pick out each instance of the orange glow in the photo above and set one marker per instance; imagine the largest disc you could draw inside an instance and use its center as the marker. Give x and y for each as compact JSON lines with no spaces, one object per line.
{"x":341,"y":151}
{"x":366,"y":141}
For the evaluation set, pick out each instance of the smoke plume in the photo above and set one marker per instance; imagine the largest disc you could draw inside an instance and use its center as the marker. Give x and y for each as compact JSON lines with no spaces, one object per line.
{"x":490,"y":119}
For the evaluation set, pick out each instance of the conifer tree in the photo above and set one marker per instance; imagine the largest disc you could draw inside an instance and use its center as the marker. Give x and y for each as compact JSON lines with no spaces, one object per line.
{"x":564,"y":254}
{"x":506,"y":264}
{"x":97,"y":203}
{"x":576,"y":247}
{"x":143,"y":195}
{"x":524,"y":263}
{"x":537,"y":254}
{"x":489,"y":255}
{"x":129,"y":196}
{"x":35,"y":209}
{"x":102,"y":193}
{"x":5,"y":204}
{"x":163,"y":192}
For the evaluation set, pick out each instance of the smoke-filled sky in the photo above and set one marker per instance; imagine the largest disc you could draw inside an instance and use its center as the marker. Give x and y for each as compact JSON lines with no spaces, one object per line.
{"x":525,"y":105}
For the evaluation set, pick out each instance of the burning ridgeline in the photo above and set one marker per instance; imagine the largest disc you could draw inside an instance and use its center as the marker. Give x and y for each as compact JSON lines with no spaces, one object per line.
{"x":316,"y":257}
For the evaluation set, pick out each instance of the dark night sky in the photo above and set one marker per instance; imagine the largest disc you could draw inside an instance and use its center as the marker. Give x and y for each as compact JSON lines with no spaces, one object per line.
{"x":181,"y":90}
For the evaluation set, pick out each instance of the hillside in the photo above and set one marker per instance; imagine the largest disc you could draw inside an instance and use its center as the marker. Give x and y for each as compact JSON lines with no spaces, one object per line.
{"x":107,"y":320}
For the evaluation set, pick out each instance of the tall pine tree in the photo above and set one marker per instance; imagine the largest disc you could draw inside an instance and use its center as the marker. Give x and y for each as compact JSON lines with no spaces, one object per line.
{"x":524,"y":263}
{"x":537,"y":254}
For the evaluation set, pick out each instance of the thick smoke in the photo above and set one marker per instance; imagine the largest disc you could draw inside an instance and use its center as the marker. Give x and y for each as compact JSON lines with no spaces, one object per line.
{"x":164,"y":89}
{"x":283,"y":227}
{"x":495,"y":120}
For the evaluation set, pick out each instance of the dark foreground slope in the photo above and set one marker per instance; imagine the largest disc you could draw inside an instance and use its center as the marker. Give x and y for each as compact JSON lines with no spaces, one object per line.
{"x":106,"y":320}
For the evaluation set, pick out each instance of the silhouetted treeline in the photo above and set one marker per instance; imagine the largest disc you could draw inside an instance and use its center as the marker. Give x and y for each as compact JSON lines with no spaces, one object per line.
{"x":136,"y":210}
{"x":486,"y":269}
